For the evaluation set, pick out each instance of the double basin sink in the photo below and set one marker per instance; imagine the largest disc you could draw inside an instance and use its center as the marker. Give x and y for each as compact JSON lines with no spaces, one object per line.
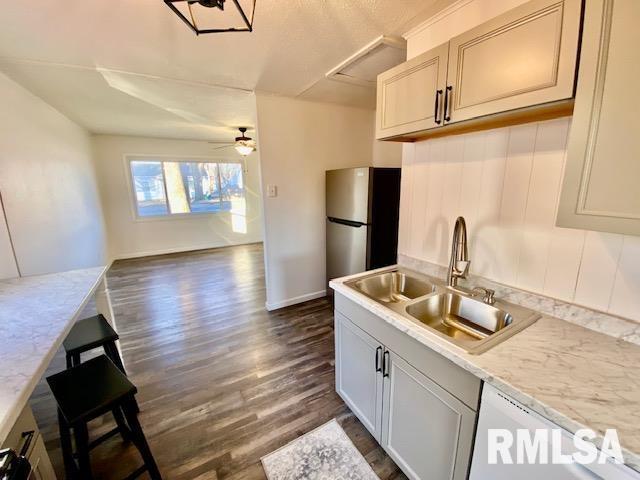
{"x":452,"y":313}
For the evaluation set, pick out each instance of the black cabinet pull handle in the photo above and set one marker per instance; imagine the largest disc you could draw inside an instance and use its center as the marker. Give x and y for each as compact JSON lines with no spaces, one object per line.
{"x":385,"y":364}
{"x":378,"y":351}
{"x":447,"y":116}
{"x":436,"y":107}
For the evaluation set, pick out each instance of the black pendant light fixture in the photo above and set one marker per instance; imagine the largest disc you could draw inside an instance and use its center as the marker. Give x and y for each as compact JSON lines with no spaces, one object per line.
{"x":210,"y":16}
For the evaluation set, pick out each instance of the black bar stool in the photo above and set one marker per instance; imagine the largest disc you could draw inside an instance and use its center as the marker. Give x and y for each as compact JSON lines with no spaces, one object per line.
{"x":90,"y":333}
{"x":86,"y":392}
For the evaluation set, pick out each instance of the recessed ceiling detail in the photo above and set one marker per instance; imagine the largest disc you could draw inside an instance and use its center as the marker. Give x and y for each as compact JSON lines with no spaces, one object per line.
{"x":363,"y":67}
{"x":210,"y":16}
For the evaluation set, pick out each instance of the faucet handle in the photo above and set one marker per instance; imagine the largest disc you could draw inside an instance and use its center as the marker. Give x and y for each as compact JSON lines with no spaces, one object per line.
{"x":462,"y":267}
{"x":488,"y":294}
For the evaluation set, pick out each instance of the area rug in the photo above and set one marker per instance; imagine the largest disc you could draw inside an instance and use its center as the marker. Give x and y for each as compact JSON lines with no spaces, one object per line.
{"x":325,"y":453}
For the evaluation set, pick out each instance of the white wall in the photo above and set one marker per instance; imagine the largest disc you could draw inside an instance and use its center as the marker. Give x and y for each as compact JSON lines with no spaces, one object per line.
{"x":299,"y":141}
{"x":386,"y":154}
{"x":8,"y":267}
{"x":131,"y":237}
{"x":506,"y":183}
{"x":48,"y":186}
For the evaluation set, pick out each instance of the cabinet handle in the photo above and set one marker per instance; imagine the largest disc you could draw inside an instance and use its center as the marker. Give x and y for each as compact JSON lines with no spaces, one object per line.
{"x":385,"y":364}
{"x":436,"y":107}
{"x":378,"y":351}
{"x":447,"y":116}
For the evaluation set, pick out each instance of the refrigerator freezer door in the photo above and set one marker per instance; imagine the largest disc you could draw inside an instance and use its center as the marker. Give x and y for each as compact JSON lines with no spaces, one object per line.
{"x":346,"y":249}
{"x":348,"y":194}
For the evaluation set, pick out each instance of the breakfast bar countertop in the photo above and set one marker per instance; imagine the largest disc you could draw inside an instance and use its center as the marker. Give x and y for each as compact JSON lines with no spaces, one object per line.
{"x":36,"y":313}
{"x":575,"y":377}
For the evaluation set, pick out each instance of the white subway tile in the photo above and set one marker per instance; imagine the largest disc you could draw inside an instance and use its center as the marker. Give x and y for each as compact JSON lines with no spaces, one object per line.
{"x":625,"y":299}
{"x":406,"y":192}
{"x":563,"y":263}
{"x":419,"y":207}
{"x":514,"y":201}
{"x":598,"y":269}
{"x":486,"y":228}
{"x":540,"y":213}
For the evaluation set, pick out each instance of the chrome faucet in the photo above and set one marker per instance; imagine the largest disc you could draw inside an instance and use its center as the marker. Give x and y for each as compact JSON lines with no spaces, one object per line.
{"x":459,"y":263}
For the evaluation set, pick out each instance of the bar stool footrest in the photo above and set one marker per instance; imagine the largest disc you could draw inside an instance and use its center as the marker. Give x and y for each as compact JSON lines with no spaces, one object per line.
{"x":136,"y":473}
{"x":105,"y":436}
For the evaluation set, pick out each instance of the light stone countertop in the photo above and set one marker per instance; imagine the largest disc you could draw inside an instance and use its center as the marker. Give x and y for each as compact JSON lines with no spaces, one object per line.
{"x":575,"y":377}
{"x":36,"y":313}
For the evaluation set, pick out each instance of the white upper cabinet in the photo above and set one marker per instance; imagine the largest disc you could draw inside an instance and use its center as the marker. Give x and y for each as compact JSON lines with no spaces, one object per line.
{"x":410,"y":96}
{"x":600,"y":189}
{"x":523,"y":58}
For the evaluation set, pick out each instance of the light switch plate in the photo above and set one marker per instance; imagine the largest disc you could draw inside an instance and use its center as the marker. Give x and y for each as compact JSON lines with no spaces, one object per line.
{"x":272,"y":191}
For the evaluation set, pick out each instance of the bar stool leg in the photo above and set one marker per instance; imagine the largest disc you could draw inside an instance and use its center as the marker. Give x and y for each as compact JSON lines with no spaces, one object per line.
{"x":82,"y":447}
{"x":112,"y":352}
{"x":65,"y":444}
{"x":125,"y":432}
{"x":75,"y":359}
{"x":139,"y":439}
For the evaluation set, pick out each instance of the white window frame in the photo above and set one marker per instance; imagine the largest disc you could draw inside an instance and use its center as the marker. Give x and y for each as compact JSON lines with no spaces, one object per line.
{"x":144,"y":157}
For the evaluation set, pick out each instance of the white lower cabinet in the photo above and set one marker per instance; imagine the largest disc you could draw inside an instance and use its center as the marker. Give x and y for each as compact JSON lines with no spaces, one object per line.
{"x":426,"y":430}
{"x":358,"y":379}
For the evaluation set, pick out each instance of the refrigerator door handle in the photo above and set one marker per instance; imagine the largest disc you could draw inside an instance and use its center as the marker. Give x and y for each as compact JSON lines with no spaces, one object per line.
{"x":348,"y":223}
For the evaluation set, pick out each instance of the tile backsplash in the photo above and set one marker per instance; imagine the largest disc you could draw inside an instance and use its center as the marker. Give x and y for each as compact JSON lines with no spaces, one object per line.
{"x":506,"y":183}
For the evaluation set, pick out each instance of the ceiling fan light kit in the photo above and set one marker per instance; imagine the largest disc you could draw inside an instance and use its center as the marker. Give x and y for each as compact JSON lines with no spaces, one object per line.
{"x":244,"y":145}
{"x":195,"y":12}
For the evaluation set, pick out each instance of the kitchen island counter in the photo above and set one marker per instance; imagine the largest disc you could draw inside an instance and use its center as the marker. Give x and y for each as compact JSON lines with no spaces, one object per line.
{"x":36,"y":313}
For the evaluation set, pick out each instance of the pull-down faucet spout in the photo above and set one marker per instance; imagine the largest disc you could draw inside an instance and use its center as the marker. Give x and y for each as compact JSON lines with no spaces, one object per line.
{"x":459,"y":263}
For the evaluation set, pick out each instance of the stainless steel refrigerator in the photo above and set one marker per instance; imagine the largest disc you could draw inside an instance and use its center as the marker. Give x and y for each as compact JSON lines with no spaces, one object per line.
{"x":362,"y":219}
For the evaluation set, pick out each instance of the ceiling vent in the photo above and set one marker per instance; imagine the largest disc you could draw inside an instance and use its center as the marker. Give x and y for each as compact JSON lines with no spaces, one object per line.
{"x":363,"y":67}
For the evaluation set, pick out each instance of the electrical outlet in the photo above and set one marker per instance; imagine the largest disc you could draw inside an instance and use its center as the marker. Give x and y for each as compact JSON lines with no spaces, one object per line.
{"x":272,"y":191}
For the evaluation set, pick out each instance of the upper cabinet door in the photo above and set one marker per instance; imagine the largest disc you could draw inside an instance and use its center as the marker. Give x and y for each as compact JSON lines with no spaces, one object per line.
{"x":600,"y":189}
{"x":522,"y":58}
{"x":410,"y":96}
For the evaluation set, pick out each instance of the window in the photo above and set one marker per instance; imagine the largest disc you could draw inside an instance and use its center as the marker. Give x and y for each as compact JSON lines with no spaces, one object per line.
{"x":170,"y":187}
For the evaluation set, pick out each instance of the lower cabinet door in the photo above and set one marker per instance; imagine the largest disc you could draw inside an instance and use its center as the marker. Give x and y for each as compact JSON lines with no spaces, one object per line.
{"x":358,"y":381}
{"x":427,"y":431}
{"x":40,"y":463}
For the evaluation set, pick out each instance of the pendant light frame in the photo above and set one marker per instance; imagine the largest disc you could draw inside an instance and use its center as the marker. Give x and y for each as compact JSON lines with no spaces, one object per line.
{"x":194,"y":27}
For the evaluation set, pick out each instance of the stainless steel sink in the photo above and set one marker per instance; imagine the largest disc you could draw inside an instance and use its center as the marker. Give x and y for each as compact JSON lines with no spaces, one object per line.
{"x":460,"y":317}
{"x":470,"y":323}
{"x":453,"y":313}
{"x":393,"y":287}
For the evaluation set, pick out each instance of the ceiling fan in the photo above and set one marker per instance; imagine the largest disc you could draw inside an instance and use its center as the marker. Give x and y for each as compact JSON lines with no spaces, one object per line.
{"x":244,"y":145}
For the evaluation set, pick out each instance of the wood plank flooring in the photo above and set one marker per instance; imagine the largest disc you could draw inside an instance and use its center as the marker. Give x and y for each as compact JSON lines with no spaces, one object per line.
{"x":222,"y":382}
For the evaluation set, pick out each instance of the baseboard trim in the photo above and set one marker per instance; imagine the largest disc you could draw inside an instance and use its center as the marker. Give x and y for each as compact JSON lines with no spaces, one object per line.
{"x":167,"y":251}
{"x":295,"y":300}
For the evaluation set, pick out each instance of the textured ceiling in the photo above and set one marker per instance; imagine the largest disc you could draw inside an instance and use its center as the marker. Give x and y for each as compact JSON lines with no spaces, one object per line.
{"x":132,"y":67}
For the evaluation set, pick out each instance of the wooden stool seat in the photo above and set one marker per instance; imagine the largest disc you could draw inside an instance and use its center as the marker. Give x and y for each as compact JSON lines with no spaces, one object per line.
{"x":85,"y":392}
{"x":89,"y":333}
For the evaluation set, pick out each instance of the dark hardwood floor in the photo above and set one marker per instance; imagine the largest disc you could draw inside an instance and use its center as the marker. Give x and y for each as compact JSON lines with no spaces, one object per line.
{"x":222,"y":382}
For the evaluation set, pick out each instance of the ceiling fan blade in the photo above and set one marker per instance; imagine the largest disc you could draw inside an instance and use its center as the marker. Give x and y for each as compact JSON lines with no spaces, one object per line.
{"x":224,"y":146}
